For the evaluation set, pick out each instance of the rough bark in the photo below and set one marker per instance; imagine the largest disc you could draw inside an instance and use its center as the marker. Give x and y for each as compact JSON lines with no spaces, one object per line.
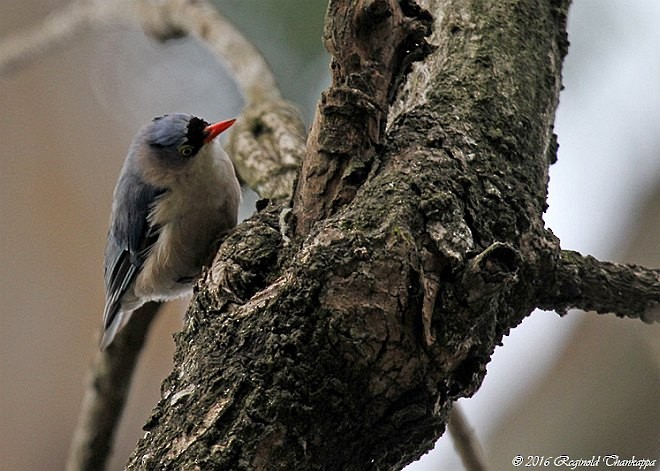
{"x":340,"y":340}
{"x":372,"y":43}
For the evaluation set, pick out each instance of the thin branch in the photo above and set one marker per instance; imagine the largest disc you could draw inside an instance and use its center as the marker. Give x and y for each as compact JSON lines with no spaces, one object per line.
{"x":465,"y":441}
{"x":107,"y":386}
{"x":584,"y":282}
{"x":172,"y":18}
{"x":55,"y":31}
{"x":161,"y":20}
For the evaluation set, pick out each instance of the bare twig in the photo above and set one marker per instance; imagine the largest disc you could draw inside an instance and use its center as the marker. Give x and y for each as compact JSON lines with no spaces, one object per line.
{"x":465,"y":442}
{"x":161,"y":20}
{"x":270,"y":142}
{"x":107,"y":386}
{"x":55,"y":31}
{"x":173,"y":18}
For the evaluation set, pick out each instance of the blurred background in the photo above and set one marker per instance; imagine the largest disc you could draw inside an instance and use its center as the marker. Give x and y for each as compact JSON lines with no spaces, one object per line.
{"x":581,"y":385}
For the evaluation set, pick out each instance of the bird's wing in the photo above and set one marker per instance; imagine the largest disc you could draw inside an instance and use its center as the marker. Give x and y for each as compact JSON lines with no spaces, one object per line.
{"x":130,"y":238}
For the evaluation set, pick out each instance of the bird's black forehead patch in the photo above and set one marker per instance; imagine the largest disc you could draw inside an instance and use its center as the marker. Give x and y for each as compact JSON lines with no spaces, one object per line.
{"x":196,"y":131}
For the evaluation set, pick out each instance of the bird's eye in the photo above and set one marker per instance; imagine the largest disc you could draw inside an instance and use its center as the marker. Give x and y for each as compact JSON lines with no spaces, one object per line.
{"x":186,"y":150}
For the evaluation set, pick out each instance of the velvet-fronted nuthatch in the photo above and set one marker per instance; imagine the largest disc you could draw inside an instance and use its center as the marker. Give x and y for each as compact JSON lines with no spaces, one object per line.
{"x":176,"y":197}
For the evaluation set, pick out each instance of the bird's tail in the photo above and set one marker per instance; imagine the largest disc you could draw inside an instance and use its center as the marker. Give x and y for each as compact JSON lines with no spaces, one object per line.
{"x":118,"y":323}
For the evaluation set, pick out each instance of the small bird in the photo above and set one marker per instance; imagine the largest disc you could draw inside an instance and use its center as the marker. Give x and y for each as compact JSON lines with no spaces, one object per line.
{"x":176,"y":197}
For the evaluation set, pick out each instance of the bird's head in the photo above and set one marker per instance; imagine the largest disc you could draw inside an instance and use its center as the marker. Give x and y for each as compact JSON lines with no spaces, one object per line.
{"x":176,"y":138}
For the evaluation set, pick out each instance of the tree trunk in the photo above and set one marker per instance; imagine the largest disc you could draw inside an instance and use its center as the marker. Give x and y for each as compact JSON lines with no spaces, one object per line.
{"x":336,"y":331}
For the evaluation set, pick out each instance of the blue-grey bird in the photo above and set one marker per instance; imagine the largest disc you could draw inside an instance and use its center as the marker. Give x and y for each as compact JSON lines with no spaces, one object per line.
{"x":177,"y":195}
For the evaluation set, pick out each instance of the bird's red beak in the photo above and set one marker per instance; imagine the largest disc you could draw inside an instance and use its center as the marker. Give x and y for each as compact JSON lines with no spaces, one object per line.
{"x":214,"y":129}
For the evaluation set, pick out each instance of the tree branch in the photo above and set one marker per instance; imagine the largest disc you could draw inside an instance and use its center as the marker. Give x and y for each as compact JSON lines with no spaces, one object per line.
{"x":176,"y":18}
{"x":465,"y":441}
{"x":426,"y":246}
{"x":267,"y":145}
{"x":56,"y":30}
{"x":372,"y":43}
{"x":589,"y":284}
{"x":161,"y":20}
{"x":419,"y":245}
{"x":107,"y":386}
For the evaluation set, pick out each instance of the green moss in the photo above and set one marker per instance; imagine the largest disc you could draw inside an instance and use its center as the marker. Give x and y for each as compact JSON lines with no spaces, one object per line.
{"x":402,"y":234}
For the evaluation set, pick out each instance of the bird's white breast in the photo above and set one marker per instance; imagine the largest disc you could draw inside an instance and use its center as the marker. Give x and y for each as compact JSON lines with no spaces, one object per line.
{"x":200,"y":206}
